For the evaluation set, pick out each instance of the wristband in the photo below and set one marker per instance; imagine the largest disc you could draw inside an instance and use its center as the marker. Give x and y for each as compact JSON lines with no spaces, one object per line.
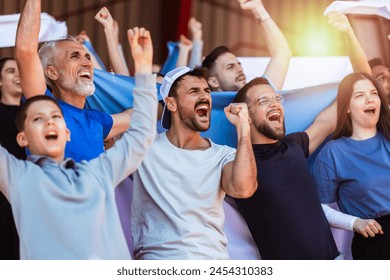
{"x":263,"y":18}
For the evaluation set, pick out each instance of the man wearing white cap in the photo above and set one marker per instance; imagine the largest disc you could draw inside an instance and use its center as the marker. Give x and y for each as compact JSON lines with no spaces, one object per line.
{"x":179,"y":188}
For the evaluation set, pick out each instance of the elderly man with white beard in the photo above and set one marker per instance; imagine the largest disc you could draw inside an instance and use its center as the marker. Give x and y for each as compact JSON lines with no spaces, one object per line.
{"x":67,"y":68}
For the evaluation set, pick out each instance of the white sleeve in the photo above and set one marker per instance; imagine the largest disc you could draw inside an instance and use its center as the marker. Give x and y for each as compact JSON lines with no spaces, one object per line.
{"x":338,"y":219}
{"x":196,"y":54}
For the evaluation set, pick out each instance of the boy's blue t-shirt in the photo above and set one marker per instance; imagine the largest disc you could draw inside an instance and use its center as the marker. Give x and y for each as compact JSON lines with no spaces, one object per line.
{"x":88,"y":129}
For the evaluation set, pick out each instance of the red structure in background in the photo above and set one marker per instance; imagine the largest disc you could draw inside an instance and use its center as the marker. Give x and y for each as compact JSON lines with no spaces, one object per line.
{"x":174,"y":16}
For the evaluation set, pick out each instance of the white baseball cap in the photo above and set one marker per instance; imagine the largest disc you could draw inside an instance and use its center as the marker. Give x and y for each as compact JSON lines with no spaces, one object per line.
{"x":166,"y":85}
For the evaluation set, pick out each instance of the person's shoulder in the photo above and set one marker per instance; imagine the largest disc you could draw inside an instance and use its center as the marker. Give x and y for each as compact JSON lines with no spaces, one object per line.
{"x":333,"y":147}
{"x":382,"y":136}
{"x":95,"y":114}
{"x":219,"y":145}
{"x":337,"y":143}
{"x":224,"y":149}
{"x":300,"y":137}
{"x":161,"y":142}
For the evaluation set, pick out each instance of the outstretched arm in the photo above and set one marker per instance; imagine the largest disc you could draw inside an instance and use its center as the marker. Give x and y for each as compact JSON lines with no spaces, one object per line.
{"x":322,"y":126}
{"x":277,"y":45}
{"x":239,"y":177}
{"x":120,"y":48}
{"x":117,"y":63}
{"x":141,"y":47}
{"x":196,"y":31}
{"x":142,"y":52}
{"x":325,"y":122}
{"x":355,"y":52}
{"x":128,"y":152}
{"x":32,"y":78}
{"x":185,"y":47}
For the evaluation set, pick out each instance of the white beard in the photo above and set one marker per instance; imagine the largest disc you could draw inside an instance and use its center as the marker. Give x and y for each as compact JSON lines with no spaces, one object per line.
{"x":85,"y":89}
{"x":79,"y":87}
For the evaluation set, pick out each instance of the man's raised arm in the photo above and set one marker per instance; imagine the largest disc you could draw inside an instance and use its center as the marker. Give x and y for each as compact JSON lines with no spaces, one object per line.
{"x":141,"y":48}
{"x":31,"y":73}
{"x":239,"y":177}
{"x":277,"y":45}
{"x":355,"y":51}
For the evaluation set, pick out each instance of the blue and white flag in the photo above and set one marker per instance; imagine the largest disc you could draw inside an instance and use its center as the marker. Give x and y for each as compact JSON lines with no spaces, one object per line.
{"x":113,"y":92}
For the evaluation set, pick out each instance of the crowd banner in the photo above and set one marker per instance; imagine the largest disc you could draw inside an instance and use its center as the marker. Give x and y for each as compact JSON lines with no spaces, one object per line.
{"x":302,"y":71}
{"x":363,"y":7}
{"x":50,"y":29}
{"x":113,"y":92}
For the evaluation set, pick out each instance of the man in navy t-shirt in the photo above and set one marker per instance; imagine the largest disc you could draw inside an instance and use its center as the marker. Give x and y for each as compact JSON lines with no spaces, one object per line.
{"x":284,"y":215}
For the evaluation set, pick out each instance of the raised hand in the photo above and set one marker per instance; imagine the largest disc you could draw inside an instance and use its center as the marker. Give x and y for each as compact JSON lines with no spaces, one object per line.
{"x":249,"y":4}
{"x":339,"y":21}
{"x":82,"y":37}
{"x":105,"y":18}
{"x":185,"y":43}
{"x":195,"y":28}
{"x":256,"y":7}
{"x":141,"y":47}
{"x":237,"y":113}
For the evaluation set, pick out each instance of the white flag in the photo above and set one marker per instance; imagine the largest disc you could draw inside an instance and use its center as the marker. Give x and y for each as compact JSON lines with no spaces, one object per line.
{"x":50,"y":29}
{"x":364,"y":7}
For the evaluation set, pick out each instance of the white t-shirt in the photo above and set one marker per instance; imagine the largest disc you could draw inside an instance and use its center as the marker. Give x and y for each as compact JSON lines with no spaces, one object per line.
{"x":177,"y":208}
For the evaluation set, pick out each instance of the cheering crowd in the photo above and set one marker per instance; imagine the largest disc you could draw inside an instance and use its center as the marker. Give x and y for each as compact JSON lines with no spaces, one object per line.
{"x":61,"y":163}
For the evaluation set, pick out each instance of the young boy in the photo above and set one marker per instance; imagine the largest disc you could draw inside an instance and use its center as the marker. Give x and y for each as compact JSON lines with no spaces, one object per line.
{"x":65,"y":210}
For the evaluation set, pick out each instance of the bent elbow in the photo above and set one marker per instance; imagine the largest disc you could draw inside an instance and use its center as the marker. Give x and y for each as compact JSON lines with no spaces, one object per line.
{"x":248,"y":191}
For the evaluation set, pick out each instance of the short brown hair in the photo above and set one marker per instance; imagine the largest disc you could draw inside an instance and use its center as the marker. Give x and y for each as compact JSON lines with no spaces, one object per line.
{"x":210,"y":59}
{"x":22,"y":113}
{"x":199,"y":72}
{"x":241,"y":94}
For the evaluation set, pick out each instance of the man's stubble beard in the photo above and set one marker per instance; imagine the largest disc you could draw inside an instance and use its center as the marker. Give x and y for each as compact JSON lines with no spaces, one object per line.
{"x":265,"y":129}
{"x":187,"y":117}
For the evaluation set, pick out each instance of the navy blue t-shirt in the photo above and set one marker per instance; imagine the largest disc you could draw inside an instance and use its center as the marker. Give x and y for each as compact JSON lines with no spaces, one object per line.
{"x":284,"y":215}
